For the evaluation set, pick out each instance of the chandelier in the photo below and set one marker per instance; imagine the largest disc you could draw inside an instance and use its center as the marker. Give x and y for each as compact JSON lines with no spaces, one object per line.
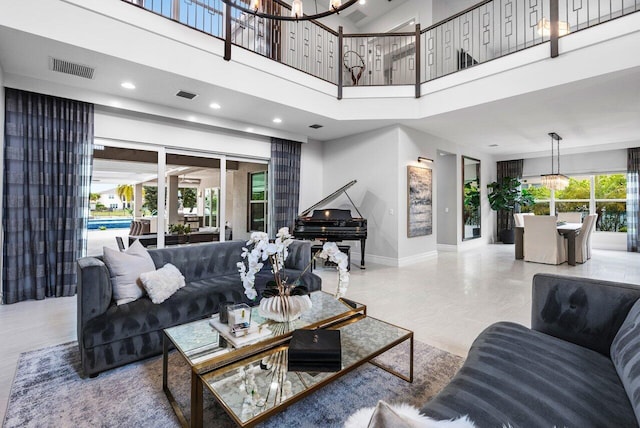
{"x":555,"y":180}
{"x":256,"y":8}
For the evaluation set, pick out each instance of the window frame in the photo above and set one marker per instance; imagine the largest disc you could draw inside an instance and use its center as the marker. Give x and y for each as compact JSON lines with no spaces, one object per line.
{"x":251,"y":201}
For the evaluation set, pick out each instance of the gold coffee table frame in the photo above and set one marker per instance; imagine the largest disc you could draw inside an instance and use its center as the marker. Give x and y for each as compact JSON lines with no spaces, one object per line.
{"x":328,"y":312}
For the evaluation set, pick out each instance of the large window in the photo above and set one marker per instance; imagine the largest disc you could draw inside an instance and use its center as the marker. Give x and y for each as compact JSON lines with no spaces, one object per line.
{"x":257,"y":201}
{"x":604,"y":195}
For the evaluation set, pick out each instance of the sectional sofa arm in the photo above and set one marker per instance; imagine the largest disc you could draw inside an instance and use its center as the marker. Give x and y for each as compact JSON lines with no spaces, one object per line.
{"x":94,"y":289}
{"x":587,"y":312}
{"x":299,"y":255}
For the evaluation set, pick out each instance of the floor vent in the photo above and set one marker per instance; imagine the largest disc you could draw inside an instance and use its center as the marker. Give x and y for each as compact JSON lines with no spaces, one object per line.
{"x":68,"y":67}
{"x":185,"y":94}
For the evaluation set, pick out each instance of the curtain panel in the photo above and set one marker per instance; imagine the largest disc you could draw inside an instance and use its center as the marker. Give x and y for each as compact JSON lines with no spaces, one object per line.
{"x":47,"y":164}
{"x":512,"y":168}
{"x":633,"y":198}
{"x":285,"y":183}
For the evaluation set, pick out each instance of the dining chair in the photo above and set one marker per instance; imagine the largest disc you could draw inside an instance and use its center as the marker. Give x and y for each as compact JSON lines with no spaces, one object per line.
{"x":518,"y":218}
{"x":583,"y":238}
{"x":120,"y":243}
{"x":542,"y":242}
{"x":570,"y":217}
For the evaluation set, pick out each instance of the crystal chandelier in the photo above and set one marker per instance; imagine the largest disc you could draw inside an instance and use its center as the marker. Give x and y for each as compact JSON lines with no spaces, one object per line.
{"x":555,"y":180}
{"x":256,"y":7}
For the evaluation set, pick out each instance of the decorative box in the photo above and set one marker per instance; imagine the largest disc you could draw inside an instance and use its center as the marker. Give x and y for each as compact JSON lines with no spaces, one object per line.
{"x":239,"y":316}
{"x":315,"y":351}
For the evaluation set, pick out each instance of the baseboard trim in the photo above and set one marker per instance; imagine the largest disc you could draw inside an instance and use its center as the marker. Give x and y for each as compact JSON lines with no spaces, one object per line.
{"x":447,"y":248}
{"x":406,"y":261}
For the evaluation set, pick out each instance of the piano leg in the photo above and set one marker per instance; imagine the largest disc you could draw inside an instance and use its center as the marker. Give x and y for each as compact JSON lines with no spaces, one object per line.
{"x":362,"y":242}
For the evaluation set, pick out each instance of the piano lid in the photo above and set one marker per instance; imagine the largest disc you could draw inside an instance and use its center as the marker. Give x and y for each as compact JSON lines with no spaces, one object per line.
{"x":331,"y":198}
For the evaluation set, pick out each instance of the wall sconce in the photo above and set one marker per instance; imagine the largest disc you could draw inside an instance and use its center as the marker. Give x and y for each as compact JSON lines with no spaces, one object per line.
{"x":422,"y":159}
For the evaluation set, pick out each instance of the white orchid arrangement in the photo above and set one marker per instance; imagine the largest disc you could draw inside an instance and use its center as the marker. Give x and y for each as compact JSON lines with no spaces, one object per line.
{"x":259,"y":250}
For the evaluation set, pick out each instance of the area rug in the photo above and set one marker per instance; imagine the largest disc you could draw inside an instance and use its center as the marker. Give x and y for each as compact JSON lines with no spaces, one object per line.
{"x":48,"y":391}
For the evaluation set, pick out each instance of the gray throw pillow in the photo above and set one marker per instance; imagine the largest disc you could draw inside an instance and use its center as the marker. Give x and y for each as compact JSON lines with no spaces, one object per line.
{"x":125,"y":269}
{"x":625,"y":354}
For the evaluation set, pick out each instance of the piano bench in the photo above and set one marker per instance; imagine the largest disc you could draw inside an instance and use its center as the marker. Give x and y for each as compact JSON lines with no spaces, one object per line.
{"x":317,"y":248}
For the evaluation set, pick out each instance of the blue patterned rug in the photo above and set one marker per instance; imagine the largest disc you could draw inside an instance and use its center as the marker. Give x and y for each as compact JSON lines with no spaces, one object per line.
{"x":48,"y":391}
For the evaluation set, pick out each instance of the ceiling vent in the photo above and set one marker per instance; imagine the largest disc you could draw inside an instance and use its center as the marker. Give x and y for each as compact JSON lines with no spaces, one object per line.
{"x":68,"y":67}
{"x":356,"y":16}
{"x":185,"y":94}
{"x":316,"y":126}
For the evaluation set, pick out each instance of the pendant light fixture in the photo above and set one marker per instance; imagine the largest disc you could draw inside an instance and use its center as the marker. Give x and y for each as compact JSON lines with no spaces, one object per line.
{"x":555,"y":180}
{"x":257,"y":8}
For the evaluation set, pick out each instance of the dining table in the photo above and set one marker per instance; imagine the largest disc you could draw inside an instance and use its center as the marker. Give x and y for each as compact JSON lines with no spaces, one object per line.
{"x":568,"y":230}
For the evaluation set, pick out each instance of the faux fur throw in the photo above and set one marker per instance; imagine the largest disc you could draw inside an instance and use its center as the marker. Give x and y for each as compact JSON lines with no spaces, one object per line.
{"x":400,"y":416}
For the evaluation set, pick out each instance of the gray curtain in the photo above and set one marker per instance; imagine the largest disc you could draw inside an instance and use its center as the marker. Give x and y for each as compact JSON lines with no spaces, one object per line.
{"x":47,"y":163}
{"x":633,"y":198}
{"x":512,"y":168}
{"x":285,"y":183}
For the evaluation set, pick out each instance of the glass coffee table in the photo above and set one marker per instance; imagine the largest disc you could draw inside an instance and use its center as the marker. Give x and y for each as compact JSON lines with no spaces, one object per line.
{"x":260,"y":367}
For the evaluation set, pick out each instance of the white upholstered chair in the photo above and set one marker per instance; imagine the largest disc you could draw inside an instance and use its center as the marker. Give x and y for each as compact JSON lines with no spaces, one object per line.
{"x":571,"y":217}
{"x":518,"y":218}
{"x":542,"y":242}
{"x":582,"y":239}
{"x":591,"y":230}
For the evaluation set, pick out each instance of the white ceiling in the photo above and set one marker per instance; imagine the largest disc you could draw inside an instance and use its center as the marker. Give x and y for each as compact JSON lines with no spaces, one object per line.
{"x":595,"y":113}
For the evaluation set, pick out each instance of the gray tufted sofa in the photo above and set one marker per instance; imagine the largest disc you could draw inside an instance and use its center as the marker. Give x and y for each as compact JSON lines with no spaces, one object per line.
{"x":579,"y":365}
{"x":111,"y":335}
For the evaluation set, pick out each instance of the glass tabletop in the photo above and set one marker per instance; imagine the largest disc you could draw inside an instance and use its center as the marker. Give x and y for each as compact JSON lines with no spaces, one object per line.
{"x":256,"y":386}
{"x":199,"y":342}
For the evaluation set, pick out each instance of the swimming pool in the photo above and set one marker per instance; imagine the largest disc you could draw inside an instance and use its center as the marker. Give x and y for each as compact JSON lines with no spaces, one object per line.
{"x":109,"y":223}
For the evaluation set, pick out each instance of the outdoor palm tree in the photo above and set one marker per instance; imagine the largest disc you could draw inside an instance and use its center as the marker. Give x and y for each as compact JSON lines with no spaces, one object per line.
{"x":125,"y":193}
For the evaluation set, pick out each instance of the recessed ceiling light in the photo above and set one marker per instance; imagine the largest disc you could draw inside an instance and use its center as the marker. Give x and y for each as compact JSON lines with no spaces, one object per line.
{"x":215,"y":106}
{"x":128,"y":85}
{"x":249,"y":129}
{"x":362,"y":1}
{"x":191,"y":118}
{"x":116,"y":104}
{"x":277,"y":120}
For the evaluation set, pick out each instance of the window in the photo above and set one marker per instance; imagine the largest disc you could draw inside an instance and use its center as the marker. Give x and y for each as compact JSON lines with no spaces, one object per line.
{"x":604,"y":195}
{"x":257,"y":202}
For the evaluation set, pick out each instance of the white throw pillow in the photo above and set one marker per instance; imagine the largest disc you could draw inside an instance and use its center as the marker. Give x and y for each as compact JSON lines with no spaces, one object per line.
{"x":400,"y":416}
{"x":162,"y":283}
{"x":125,"y":269}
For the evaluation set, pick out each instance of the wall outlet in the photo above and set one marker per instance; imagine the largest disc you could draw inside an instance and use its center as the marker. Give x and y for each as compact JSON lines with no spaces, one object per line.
{"x":390,"y":211}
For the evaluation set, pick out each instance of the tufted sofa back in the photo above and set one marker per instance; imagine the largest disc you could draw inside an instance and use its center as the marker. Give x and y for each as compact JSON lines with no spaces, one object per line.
{"x":202,"y":260}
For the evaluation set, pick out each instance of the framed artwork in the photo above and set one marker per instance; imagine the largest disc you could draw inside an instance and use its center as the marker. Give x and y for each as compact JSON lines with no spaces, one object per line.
{"x":419,"y":207}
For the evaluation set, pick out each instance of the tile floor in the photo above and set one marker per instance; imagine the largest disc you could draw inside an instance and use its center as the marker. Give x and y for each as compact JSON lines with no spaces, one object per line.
{"x":446,"y":300}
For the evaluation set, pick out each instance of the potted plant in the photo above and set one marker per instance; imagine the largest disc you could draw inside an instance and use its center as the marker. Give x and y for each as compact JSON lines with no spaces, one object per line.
{"x":182,"y":230}
{"x":508,"y":196}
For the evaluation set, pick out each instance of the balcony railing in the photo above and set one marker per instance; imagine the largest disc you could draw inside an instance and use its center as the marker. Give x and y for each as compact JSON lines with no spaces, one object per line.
{"x":488,"y":30}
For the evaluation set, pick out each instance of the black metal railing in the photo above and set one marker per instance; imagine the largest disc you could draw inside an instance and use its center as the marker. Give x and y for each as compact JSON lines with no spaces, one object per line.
{"x":486,"y":31}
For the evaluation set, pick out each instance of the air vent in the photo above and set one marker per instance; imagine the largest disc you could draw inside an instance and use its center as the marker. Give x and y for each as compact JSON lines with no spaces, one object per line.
{"x":316,"y":126}
{"x":185,"y":94}
{"x":68,"y":67}
{"x":356,"y":16}
{"x":493,"y":145}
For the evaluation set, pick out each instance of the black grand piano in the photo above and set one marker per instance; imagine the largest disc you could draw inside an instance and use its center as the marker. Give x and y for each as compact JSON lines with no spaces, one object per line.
{"x":333,"y":225}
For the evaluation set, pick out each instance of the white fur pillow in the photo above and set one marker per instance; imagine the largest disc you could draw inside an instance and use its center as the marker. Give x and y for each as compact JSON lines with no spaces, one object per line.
{"x":400,"y":416}
{"x":162,"y":283}
{"x":125,"y":269}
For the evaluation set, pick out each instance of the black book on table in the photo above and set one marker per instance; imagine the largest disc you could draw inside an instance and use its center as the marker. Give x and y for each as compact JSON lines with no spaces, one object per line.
{"x":315,"y":351}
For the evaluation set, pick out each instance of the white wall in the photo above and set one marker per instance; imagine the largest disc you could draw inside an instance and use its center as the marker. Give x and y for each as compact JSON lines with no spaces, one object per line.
{"x":420,"y":10}
{"x":147,"y":129}
{"x":414,"y":144}
{"x":443,"y":9}
{"x":372,"y":159}
{"x":447,"y":196}
{"x":311,"y":175}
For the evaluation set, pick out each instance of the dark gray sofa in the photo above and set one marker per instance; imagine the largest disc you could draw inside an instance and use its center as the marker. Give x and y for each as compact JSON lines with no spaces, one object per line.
{"x":111,"y":335}
{"x":579,"y":365}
